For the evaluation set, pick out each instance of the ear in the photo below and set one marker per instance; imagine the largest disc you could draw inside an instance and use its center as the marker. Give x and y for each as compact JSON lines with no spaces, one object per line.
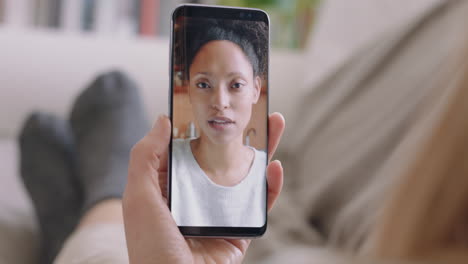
{"x":257,"y":88}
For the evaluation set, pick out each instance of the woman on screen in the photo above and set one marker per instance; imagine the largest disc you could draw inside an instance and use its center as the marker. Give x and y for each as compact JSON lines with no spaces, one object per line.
{"x":216,"y":179}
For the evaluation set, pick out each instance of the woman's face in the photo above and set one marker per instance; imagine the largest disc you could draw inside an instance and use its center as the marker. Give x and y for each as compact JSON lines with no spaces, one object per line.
{"x":222,"y":90}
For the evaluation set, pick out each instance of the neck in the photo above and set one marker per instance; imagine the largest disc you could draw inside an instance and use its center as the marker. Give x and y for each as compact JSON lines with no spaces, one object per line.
{"x":222,"y":162}
{"x":218,"y":157}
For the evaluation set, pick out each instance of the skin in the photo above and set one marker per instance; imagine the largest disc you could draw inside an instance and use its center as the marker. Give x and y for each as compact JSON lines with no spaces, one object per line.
{"x":151,"y":232}
{"x":222,"y":84}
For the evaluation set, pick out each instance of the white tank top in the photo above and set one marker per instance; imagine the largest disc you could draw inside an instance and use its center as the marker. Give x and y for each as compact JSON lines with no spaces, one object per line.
{"x":198,"y":201}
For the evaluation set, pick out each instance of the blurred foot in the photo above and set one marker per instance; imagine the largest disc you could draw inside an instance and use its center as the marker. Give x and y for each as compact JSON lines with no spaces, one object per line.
{"x":47,"y":160}
{"x":107,"y":119}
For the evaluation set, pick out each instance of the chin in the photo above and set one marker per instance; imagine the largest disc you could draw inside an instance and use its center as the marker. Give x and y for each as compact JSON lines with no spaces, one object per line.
{"x":221,"y":140}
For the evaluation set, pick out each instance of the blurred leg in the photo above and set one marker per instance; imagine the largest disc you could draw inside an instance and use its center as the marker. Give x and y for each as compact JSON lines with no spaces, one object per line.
{"x":107,"y":119}
{"x":99,"y":237}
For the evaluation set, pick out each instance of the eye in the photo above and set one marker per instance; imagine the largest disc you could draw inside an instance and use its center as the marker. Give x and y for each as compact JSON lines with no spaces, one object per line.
{"x":237,"y":85}
{"x":203,"y":85}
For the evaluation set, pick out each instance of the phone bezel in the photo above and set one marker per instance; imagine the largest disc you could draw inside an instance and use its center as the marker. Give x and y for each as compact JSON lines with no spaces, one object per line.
{"x":220,"y":12}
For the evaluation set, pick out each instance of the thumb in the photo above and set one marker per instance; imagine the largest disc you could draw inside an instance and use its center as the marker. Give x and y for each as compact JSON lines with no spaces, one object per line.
{"x":148,"y":156}
{"x":144,"y":209}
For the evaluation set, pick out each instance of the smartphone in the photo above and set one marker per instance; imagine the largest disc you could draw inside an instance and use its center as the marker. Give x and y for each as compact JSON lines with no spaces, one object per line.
{"x":219,"y":112}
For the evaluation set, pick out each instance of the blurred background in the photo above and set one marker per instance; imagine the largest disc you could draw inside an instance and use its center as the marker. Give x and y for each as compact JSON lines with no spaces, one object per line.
{"x":291,"y":20}
{"x":352,"y":79}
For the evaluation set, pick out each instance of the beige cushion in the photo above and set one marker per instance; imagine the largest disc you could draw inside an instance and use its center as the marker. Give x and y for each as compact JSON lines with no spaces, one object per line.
{"x":353,"y":124}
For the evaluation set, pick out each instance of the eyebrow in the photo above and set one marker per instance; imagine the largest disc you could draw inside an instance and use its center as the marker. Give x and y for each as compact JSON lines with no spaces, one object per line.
{"x":203,"y":73}
{"x":235,"y":73}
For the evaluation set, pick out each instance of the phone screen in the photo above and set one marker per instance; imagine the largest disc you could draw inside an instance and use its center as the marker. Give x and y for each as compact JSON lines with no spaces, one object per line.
{"x":219,"y":106}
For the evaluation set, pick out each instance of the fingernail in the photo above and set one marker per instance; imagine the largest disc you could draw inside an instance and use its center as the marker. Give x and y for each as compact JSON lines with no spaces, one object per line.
{"x":281,"y":165}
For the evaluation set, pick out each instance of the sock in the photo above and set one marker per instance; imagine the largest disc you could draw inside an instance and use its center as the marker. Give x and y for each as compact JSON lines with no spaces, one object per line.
{"x":107,"y":119}
{"x":47,"y":159}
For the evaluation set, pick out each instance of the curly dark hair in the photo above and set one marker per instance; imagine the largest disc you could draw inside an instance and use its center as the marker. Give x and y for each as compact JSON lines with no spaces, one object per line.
{"x":251,"y":36}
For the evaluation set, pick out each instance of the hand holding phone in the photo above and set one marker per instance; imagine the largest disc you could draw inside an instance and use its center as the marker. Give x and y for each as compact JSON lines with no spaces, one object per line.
{"x":150,"y":229}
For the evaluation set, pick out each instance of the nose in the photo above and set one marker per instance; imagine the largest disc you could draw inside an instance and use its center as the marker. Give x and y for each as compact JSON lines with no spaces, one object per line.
{"x":220,"y":98}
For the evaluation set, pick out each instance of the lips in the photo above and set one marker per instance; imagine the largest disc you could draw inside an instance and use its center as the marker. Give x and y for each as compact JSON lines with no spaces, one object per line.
{"x":220,"y":123}
{"x":220,"y":120}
